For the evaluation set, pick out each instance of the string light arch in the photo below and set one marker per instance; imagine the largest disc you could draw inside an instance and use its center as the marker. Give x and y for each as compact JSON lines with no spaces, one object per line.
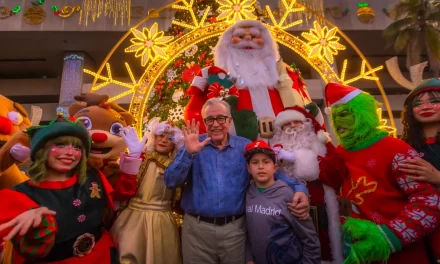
{"x":317,"y":47}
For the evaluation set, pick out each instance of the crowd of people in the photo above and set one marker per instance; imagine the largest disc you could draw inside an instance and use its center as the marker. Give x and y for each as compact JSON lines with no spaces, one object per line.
{"x":281,"y":194}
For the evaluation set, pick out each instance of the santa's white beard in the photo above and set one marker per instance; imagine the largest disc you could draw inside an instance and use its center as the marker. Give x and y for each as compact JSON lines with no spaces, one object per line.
{"x":303,"y":138}
{"x":251,"y":70}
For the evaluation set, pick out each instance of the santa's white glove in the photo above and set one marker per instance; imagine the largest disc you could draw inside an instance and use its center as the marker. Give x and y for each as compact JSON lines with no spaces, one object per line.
{"x":323,"y":137}
{"x":20,"y":152}
{"x":134,"y":145}
{"x":286,"y":155}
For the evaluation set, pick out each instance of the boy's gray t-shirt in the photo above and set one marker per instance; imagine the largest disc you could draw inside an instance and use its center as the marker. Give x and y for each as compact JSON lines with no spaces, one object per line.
{"x":275,"y":236}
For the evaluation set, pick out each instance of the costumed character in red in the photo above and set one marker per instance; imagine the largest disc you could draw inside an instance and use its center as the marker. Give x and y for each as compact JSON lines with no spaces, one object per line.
{"x":247,"y":59}
{"x":387,"y":213}
{"x":421,"y":129}
{"x":145,"y":231}
{"x":104,"y":120}
{"x":300,"y":142}
{"x":55,"y":217}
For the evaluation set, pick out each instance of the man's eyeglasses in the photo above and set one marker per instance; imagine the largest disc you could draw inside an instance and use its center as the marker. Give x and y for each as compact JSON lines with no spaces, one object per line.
{"x":210,"y":120}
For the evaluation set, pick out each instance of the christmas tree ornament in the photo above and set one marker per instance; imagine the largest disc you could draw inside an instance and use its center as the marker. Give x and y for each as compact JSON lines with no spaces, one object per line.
{"x":171,"y":74}
{"x":176,"y":114}
{"x":191,"y":51}
{"x":365,"y":13}
{"x":178,"y":93}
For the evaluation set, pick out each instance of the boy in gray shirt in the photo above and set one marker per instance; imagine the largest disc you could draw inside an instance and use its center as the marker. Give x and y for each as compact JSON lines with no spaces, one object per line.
{"x":275,"y":236}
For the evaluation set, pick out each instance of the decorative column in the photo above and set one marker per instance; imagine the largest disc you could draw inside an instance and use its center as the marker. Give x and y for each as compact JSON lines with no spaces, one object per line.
{"x":72,"y":79}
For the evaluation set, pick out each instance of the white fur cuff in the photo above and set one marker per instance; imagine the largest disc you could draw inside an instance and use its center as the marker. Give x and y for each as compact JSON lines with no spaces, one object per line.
{"x":129,"y":164}
{"x":200,"y":82}
{"x":323,"y":137}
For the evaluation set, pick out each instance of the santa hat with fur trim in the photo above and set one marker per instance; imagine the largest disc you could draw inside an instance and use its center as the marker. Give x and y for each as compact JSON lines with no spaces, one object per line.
{"x":338,"y":94}
{"x":295,"y":113}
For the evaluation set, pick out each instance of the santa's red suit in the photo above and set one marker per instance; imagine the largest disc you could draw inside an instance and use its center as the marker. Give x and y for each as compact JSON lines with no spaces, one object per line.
{"x":308,"y":156}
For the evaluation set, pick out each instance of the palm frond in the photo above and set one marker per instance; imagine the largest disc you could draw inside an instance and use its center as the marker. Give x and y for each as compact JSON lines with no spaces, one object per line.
{"x":433,"y":41}
{"x":435,"y":16}
{"x":393,"y":30}
{"x":402,"y":40}
{"x":410,"y":8}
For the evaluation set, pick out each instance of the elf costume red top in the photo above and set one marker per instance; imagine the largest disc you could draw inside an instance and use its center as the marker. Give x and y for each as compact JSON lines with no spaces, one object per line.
{"x":247,"y":58}
{"x":396,"y":212}
{"x":75,"y":233}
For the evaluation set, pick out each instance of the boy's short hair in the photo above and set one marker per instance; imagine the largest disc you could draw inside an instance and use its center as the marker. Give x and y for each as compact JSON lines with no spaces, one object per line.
{"x":258,"y":146}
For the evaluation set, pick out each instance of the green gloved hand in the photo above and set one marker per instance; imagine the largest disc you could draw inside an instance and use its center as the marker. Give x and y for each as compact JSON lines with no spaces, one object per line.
{"x":365,"y":242}
{"x":245,"y":121}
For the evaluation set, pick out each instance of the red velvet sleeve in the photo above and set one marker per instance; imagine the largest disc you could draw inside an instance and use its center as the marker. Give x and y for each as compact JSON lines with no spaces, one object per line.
{"x":332,"y":168}
{"x":108,"y":189}
{"x":126,"y":186}
{"x":37,"y":242}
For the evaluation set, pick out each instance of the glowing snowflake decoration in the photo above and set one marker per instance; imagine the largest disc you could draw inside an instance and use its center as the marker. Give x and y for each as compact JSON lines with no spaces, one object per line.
{"x":149,"y":44}
{"x":171,"y":75}
{"x":176,"y":114}
{"x":323,"y":42}
{"x":236,"y":10}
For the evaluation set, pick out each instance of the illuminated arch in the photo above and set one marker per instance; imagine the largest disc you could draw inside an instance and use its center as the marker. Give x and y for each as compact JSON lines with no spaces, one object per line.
{"x":141,"y":89}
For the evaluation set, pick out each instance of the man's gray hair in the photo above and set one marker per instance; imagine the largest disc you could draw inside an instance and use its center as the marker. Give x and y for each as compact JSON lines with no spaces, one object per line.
{"x":216,"y":101}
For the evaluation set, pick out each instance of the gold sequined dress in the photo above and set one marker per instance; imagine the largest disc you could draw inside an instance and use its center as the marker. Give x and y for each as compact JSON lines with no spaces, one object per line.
{"x":146,"y":231}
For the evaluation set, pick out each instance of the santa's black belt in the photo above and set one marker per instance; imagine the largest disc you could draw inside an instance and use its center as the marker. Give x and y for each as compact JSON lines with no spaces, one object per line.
{"x":78,"y":246}
{"x":319,"y":216}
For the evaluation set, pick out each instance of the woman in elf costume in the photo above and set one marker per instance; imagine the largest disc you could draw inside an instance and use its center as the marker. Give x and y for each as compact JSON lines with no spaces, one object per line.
{"x":387,"y":213}
{"x":146,"y":231}
{"x":55,"y":217}
{"x":421,"y":129}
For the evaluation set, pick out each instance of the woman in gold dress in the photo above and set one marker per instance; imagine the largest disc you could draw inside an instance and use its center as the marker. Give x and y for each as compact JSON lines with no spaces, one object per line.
{"x":145,"y":230}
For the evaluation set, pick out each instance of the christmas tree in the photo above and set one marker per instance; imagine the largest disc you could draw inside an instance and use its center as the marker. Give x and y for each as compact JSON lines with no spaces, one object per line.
{"x":168,"y":98}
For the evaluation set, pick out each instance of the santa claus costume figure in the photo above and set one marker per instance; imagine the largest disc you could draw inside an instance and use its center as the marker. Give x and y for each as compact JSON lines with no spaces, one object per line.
{"x":56,"y":216}
{"x":300,"y":144}
{"x":247,"y":59}
{"x":388,"y":213}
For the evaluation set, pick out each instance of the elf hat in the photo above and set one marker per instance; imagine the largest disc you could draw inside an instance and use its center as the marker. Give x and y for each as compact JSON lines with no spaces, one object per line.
{"x":425,"y":86}
{"x":258,"y":146}
{"x":58,"y":127}
{"x":338,"y":94}
{"x":295,"y":113}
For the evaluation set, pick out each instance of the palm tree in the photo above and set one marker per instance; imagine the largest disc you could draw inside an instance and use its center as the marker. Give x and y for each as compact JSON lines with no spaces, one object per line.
{"x":416,"y":29}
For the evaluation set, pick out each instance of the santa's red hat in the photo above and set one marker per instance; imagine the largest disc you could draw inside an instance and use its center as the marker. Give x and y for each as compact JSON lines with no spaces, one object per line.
{"x":338,"y":94}
{"x":295,"y":113}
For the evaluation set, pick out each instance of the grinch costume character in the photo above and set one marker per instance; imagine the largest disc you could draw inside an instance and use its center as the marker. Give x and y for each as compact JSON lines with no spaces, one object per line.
{"x":247,"y":59}
{"x":55,"y":217}
{"x":388,"y":213}
{"x":146,"y":231}
{"x":421,"y":127}
{"x":302,"y":146}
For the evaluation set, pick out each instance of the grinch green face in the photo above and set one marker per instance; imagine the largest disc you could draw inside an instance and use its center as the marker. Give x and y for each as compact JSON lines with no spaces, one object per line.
{"x":343,"y":121}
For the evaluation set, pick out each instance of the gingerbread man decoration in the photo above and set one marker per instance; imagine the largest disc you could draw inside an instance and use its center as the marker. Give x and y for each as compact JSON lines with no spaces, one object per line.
{"x":95,"y":191}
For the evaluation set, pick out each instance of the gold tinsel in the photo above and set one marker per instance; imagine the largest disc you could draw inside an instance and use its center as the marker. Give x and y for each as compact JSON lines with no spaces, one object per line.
{"x":317,"y":6}
{"x":116,"y":9}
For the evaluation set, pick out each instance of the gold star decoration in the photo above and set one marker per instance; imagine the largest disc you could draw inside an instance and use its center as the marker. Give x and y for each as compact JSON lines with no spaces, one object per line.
{"x":236,"y":10}
{"x":148,"y":44}
{"x":323,"y":42}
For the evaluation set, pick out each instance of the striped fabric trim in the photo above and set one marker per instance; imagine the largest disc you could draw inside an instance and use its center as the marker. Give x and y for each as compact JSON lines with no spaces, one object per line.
{"x":391,"y":238}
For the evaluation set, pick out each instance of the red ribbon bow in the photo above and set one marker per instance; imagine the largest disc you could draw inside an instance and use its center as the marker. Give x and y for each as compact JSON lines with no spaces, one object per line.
{"x":216,"y":90}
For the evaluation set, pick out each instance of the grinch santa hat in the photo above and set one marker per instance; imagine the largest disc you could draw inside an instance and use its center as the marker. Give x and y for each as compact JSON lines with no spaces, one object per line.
{"x":338,"y":94}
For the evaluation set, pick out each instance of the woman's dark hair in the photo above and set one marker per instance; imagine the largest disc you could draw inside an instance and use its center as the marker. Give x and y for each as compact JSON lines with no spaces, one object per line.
{"x":412,"y":129}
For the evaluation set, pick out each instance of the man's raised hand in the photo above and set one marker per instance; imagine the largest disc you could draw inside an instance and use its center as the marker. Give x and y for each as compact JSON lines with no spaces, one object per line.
{"x":191,"y":134}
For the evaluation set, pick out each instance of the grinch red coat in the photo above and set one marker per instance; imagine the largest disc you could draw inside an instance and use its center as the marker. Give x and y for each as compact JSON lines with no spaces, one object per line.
{"x":199,"y":94}
{"x":381,"y":194}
